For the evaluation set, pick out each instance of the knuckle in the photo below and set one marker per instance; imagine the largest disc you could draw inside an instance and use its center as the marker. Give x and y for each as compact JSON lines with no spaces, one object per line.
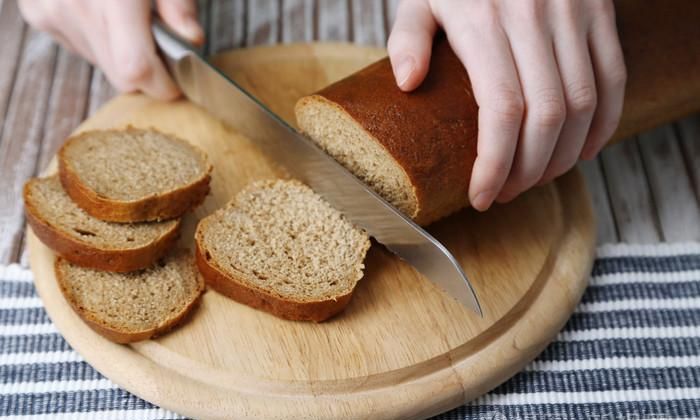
{"x":40,"y":18}
{"x":534,"y":11}
{"x":603,"y":7}
{"x":548,"y":110}
{"x":508,"y":103}
{"x":135,"y":70}
{"x":570,"y":12}
{"x":582,"y":98}
{"x":482,"y":15}
{"x":119,"y":82}
{"x":488,"y":10}
{"x":618,"y":75}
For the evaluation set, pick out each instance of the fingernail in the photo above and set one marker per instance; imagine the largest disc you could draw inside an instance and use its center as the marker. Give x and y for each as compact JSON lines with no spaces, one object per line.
{"x":193,"y":31}
{"x":483,"y":200}
{"x":404,"y":69}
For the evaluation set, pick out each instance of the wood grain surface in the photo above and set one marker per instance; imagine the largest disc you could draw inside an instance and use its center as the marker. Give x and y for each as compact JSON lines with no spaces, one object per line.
{"x":402,"y":348}
{"x":228,"y":24}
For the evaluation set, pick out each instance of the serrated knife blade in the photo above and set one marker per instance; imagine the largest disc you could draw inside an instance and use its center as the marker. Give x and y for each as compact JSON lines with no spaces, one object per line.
{"x":206,"y":86}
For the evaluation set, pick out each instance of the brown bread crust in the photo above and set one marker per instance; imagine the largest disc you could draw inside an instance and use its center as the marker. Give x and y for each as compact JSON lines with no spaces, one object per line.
{"x":662,"y":54}
{"x":169,"y":205}
{"x":431,"y":132}
{"x":86,"y":255}
{"x":123,"y":337}
{"x":260,"y":299}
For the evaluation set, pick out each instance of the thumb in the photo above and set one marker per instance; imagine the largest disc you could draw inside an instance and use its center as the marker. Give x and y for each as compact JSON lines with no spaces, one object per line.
{"x":410,"y":43}
{"x":181,"y":16}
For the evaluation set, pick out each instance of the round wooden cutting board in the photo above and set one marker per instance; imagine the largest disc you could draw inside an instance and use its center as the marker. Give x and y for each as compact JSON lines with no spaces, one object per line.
{"x":402,"y":348}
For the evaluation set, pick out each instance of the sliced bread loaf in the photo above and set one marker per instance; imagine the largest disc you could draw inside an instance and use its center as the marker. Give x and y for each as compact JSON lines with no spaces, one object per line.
{"x":84,"y":240}
{"x":416,"y":150}
{"x":128,"y":307}
{"x":279,"y":247}
{"x":133,"y":175}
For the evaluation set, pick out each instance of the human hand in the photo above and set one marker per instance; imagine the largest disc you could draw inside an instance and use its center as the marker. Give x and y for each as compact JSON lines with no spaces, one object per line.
{"x":115,"y":35}
{"x":548,"y":76}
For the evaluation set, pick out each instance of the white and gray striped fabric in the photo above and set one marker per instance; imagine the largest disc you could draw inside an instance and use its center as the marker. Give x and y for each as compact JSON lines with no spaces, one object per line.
{"x":631,"y":351}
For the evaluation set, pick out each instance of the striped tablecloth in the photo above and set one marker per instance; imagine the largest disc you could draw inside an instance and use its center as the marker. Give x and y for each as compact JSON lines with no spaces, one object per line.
{"x":631,"y":351}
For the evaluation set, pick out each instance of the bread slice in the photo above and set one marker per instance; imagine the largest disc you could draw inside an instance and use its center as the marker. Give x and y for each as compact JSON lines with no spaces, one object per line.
{"x":279,"y":247}
{"x":133,"y":175}
{"x":416,"y":150}
{"x":128,"y":307}
{"x":84,"y":240}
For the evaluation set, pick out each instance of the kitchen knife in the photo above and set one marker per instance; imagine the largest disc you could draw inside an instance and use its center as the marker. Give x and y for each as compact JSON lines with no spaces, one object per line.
{"x":206,"y":86}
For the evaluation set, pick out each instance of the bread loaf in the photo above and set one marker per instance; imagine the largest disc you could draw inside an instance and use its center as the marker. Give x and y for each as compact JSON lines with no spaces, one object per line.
{"x":279,"y":247}
{"x":133,"y":175}
{"x":417,"y":150}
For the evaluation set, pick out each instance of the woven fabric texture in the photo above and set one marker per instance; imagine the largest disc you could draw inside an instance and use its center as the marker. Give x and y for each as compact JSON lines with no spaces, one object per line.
{"x":630,"y":351}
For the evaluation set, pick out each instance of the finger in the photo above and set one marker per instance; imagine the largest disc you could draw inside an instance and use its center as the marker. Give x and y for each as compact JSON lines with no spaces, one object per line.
{"x":39,"y":14}
{"x":133,"y":62}
{"x":610,"y":75}
{"x":545,"y":110}
{"x":483,"y":48}
{"x":181,"y":16}
{"x":64,"y":42}
{"x":43,"y":15}
{"x":410,"y":43}
{"x":74,"y":42}
{"x":578,"y":80}
{"x":72,"y":37}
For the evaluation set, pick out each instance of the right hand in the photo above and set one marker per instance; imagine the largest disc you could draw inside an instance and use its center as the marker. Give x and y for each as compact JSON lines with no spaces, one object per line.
{"x":115,"y":35}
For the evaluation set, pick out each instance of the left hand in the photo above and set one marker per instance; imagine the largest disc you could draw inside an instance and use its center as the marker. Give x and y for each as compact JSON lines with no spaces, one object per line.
{"x":548,"y":77}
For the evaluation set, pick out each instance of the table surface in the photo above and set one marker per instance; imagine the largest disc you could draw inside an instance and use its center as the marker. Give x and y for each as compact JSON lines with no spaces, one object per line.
{"x":645,"y":190}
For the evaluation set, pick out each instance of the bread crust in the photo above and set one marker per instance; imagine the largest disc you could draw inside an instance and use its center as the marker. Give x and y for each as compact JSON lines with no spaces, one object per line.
{"x":430,"y":133}
{"x":86,"y":255}
{"x":662,"y":55}
{"x":123,"y":337}
{"x":168,"y":205}
{"x":237,"y":290}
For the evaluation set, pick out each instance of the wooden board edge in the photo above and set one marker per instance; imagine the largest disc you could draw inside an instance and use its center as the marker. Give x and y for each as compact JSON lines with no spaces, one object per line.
{"x":448,"y":386}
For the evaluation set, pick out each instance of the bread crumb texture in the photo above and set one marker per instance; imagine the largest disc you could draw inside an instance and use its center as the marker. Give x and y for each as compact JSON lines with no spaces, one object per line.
{"x":281,"y":237}
{"x":133,"y":164}
{"x":136,"y":301}
{"x":54,"y":206}
{"x":349,"y":143}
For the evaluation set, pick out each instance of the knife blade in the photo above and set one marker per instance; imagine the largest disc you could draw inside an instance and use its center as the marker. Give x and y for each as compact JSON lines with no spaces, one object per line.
{"x":206,"y":86}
